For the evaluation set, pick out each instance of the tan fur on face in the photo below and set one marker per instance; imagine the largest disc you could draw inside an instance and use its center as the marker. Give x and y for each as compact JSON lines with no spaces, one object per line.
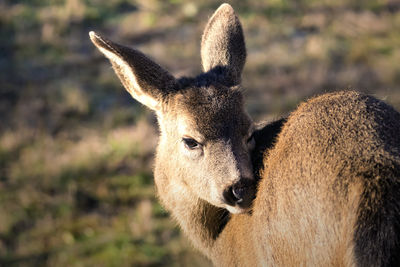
{"x":201,"y":114}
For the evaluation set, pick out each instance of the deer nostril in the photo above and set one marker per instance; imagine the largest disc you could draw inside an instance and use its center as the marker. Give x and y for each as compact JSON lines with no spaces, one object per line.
{"x":230,"y":197}
{"x":238,"y":192}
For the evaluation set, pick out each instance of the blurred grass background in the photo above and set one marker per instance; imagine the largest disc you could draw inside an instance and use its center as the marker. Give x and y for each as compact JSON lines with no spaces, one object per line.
{"x":76,"y":152}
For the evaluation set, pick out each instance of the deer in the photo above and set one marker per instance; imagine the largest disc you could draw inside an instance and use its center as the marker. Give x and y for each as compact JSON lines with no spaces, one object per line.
{"x":320,"y":187}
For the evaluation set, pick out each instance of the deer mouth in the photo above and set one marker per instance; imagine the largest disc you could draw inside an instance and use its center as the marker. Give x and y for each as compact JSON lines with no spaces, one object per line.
{"x":239,"y":197}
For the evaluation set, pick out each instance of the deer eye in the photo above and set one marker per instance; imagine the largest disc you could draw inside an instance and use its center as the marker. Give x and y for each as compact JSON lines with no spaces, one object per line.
{"x":190,"y":143}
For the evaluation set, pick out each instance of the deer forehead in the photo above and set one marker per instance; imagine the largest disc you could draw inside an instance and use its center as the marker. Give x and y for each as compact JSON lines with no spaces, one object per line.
{"x":210,"y":116}
{"x":187,"y":127}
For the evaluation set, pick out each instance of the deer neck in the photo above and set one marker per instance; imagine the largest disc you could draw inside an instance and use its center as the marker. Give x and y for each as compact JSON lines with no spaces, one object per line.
{"x":200,"y":221}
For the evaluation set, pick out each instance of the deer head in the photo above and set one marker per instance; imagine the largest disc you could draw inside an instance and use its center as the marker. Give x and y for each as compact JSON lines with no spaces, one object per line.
{"x":205,"y":134}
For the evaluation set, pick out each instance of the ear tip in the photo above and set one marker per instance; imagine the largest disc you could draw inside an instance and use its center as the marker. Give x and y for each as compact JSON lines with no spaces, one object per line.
{"x":99,"y":41}
{"x":94,"y":37}
{"x":92,"y":34}
{"x":225,"y":7}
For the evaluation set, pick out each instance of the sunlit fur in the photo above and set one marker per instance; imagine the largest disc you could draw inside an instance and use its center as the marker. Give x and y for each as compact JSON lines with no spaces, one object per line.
{"x":329,"y":188}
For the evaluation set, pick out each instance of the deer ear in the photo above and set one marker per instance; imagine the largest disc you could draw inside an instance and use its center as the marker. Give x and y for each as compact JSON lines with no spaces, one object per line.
{"x":144,"y":79}
{"x":223,"y":46}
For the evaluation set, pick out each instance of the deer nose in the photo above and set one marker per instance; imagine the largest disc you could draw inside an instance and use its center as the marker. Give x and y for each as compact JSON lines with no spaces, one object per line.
{"x":241,"y":193}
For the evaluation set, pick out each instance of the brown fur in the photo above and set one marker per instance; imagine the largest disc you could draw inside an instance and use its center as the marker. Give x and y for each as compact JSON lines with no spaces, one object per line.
{"x":329,"y":193}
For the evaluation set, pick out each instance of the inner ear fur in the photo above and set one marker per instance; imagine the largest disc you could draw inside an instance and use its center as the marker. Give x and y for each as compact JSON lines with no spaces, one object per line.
{"x":144,"y":79}
{"x":223,"y":46}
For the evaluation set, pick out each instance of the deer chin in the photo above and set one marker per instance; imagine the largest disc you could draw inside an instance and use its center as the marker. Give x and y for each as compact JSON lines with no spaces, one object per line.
{"x":236,"y":209}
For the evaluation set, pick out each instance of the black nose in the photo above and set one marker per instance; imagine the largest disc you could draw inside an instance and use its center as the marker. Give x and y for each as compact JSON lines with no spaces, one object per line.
{"x":241,"y":193}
